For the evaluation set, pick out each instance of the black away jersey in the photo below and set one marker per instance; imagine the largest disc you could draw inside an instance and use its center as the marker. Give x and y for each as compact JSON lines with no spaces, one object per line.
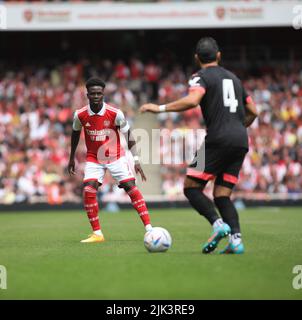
{"x":223,"y":106}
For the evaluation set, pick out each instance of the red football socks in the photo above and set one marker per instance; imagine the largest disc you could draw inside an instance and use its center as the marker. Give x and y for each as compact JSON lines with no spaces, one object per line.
{"x":92,"y":207}
{"x":139,"y":204}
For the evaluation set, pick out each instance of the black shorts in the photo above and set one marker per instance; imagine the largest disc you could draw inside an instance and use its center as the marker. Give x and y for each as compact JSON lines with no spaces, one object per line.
{"x":220,"y":163}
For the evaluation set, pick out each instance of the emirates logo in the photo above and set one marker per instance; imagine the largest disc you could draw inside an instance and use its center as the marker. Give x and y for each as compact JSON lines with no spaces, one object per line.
{"x":28,"y":15}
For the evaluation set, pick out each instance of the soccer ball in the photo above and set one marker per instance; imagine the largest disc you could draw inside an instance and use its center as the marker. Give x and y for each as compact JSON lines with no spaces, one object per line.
{"x":157,"y":240}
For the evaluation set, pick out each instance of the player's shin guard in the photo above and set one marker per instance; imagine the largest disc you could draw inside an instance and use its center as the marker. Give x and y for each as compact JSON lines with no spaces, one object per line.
{"x":92,"y":207}
{"x":228,"y":213}
{"x":201,"y":203}
{"x":139,"y":204}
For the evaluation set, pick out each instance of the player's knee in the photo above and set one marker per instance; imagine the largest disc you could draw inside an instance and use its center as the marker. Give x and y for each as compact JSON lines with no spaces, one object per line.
{"x":191,"y":192}
{"x":94,"y":184}
{"x":221,"y":191}
{"x":192,"y":186}
{"x":192,"y":183}
{"x":90,"y":190}
{"x":186,"y":192}
{"x":127,"y":185}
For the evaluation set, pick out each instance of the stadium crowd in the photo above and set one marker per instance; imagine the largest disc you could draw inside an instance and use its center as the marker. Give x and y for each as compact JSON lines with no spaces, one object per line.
{"x":37,"y":104}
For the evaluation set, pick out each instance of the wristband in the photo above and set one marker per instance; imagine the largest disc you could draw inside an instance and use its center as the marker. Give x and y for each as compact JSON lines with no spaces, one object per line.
{"x":136,"y":158}
{"x":162,"y":108}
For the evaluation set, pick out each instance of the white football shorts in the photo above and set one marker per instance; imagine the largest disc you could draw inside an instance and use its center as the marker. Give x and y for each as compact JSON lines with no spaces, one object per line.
{"x":120,"y":171}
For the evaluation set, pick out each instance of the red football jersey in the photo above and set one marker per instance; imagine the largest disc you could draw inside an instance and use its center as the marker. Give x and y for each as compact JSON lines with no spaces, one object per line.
{"x":101,"y":132}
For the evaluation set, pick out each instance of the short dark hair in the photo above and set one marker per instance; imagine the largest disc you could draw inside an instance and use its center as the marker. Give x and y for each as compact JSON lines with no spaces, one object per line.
{"x":207,"y":49}
{"x":94,"y":81}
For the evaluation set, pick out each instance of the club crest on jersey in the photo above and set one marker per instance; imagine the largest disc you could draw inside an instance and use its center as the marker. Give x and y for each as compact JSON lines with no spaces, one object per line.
{"x":106,"y":123}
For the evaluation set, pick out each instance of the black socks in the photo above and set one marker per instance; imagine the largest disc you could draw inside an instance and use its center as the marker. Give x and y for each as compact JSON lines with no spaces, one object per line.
{"x":228,"y":213}
{"x":200,"y":202}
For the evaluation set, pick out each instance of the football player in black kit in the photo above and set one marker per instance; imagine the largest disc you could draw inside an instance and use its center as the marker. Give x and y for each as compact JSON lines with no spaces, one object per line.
{"x":227,"y":111}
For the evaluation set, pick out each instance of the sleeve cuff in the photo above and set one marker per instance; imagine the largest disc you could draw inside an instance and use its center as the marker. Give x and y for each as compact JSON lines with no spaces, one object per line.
{"x":76,"y":129}
{"x":125,"y":128}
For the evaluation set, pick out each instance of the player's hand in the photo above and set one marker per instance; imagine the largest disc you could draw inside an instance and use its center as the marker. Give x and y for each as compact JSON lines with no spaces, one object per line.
{"x":138,"y":169}
{"x":149,"y":107}
{"x":71,"y":167}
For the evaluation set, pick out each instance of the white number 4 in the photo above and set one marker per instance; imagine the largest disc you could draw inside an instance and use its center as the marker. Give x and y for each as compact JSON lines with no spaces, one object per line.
{"x":229,"y":99}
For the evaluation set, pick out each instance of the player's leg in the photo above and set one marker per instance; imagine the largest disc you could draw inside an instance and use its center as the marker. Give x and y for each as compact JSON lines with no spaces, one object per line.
{"x":120,"y":170}
{"x":93,"y":172}
{"x":199,"y":172}
{"x":203,"y":168}
{"x":224,"y":185}
{"x":193,"y":190}
{"x":226,"y":207}
{"x":230,"y":215}
{"x":138,"y":202}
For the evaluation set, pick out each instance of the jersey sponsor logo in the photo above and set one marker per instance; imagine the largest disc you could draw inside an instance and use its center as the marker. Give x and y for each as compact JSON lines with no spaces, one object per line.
{"x":99,"y":132}
{"x":194,"y":82}
{"x":99,"y":135}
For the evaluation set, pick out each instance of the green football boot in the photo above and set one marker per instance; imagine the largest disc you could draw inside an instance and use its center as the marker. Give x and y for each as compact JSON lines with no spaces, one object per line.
{"x":233,"y":249}
{"x":218,"y":233}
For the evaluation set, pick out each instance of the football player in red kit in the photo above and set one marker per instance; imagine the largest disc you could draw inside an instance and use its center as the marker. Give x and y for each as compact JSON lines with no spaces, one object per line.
{"x":102,"y":124}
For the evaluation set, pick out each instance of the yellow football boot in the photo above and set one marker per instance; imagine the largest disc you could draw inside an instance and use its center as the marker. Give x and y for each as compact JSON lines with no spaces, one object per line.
{"x":94,"y":238}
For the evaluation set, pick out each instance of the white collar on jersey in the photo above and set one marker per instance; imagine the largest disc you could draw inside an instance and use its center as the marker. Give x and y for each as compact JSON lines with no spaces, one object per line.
{"x":100,"y":113}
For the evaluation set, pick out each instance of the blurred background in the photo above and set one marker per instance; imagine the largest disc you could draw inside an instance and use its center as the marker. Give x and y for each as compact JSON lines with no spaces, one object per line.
{"x":144,"y":50}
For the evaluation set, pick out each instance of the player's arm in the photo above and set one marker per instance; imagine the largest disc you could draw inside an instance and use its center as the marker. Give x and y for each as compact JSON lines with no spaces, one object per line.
{"x":190,"y":101}
{"x":250,"y":112}
{"x":75,"y":138}
{"x":123,"y":124}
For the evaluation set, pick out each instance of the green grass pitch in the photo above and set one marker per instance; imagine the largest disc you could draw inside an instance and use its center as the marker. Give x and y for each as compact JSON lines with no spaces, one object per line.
{"x":45,"y":259}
